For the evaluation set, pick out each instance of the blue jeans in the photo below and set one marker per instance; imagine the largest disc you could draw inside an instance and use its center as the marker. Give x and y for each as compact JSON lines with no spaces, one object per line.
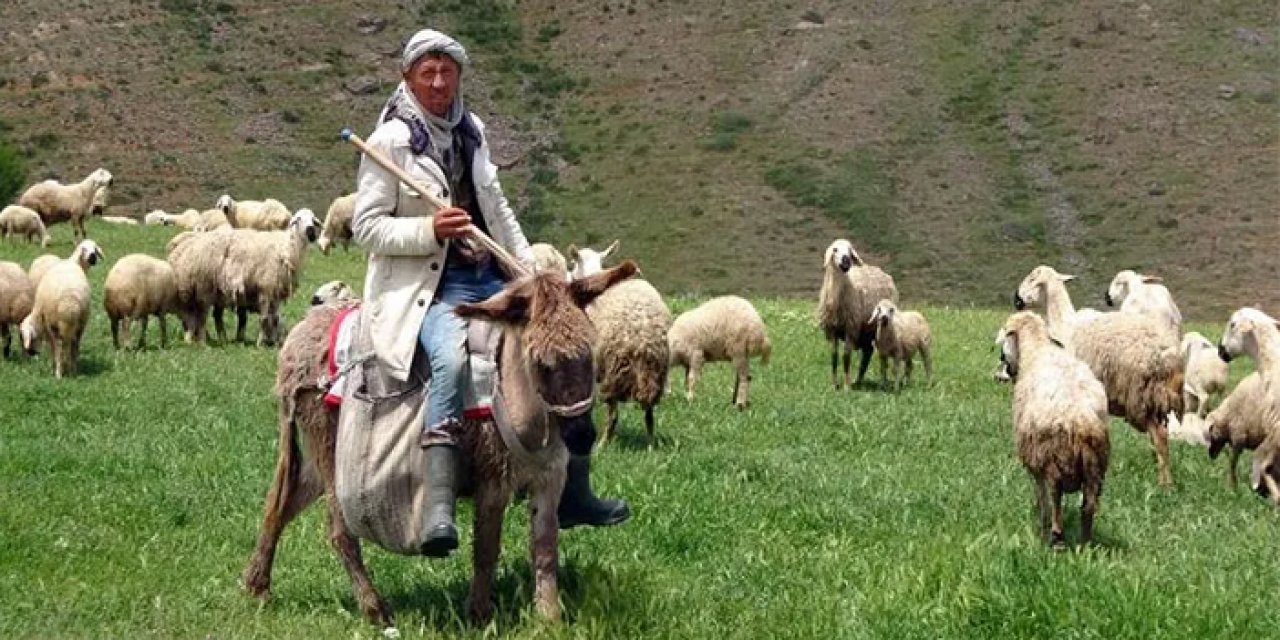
{"x":443,"y":338}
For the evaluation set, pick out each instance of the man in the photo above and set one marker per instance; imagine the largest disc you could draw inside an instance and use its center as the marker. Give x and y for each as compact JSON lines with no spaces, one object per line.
{"x":419,"y":269}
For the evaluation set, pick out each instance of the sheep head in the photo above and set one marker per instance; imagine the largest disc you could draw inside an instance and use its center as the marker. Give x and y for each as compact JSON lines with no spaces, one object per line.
{"x":88,"y":254}
{"x":99,"y":203}
{"x":1241,"y":336}
{"x":101,"y":178}
{"x":332,"y":292}
{"x":841,"y":255}
{"x":1034,"y":287}
{"x":304,"y":222}
{"x":1020,"y":331}
{"x":28,"y":332}
{"x":225,"y":204}
{"x":883,"y":314}
{"x":588,"y":261}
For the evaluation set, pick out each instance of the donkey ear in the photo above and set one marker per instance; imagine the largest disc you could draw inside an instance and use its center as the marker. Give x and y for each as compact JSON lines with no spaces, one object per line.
{"x":587,"y":289}
{"x":1065,"y":278}
{"x":508,"y":307}
{"x":613,"y":247}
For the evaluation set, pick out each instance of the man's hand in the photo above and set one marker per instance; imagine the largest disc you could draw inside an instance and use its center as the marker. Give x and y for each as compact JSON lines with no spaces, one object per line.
{"x":450,"y":223}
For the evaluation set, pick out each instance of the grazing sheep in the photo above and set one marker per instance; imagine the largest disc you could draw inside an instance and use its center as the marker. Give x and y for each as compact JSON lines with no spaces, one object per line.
{"x":1243,"y":420}
{"x":337,"y":223}
{"x":16,"y":297}
{"x":333,"y":292}
{"x":261,"y":271}
{"x":56,"y":202}
{"x":1137,"y":293}
{"x":588,"y":261}
{"x":1206,"y":374}
{"x":20,"y":221}
{"x":265,"y":215}
{"x":722,"y":329}
{"x":1265,"y":478}
{"x":120,"y":220}
{"x":899,"y":335}
{"x":547,"y":258}
{"x":1059,"y":422}
{"x":139,"y":286}
{"x":1136,"y":357}
{"x":850,"y":290}
{"x":197,"y":260}
{"x":192,"y":219}
{"x":60,"y":311}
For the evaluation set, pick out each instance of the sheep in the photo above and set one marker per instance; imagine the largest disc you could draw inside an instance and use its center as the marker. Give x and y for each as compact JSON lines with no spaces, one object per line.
{"x":1206,"y":374}
{"x":631,"y":351}
{"x":265,"y":215}
{"x":333,"y":292}
{"x":197,"y":260}
{"x":1059,"y":422}
{"x":337,"y":223}
{"x":192,"y":219}
{"x":261,"y":271}
{"x":98,"y":205}
{"x":139,"y":286}
{"x":547,"y":258}
{"x":588,"y":261}
{"x":56,"y":202}
{"x":16,"y":220}
{"x":899,"y":335}
{"x":1136,"y":293}
{"x":16,"y":296}
{"x":120,"y":220}
{"x":39,"y":265}
{"x":1136,"y":357}
{"x":1243,"y":420}
{"x":1265,"y":478}
{"x":850,"y":290}
{"x":722,"y":329}
{"x":60,"y":310}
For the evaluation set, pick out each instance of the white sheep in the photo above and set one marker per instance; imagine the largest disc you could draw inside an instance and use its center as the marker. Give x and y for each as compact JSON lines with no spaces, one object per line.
{"x":60,"y":311}
{"x":1137,"y":293}
{"x":125,"y":220}
{"x":17,"y":220}
{"x":1135,"y":356}
{"x":209,"y":220}
{"x":261,"y":271}
{"x":1206,"y":374}
{"x":16,"y":297}
{"x":547,"y":258}
{"x":265,"y":215}
{"x":56,"y":202}
{"x":722,"y":329}
{"x":1059,"y":422}
{"x":337,"y":223}
{"x":899,"y":336}
{"x":197,"y":260}
{"x":1244,"y":420}
{"x":850,"y":290}
{"x":333,"y":292}
{"x":138,"y":287}
{"x":588,"y":261}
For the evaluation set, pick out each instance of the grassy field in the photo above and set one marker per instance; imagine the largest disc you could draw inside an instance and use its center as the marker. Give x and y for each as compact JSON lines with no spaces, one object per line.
{"x":130,"y":499}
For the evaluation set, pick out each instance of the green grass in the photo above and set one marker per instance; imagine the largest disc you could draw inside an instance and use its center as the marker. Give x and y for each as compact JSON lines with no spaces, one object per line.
{"x":131,"y":497}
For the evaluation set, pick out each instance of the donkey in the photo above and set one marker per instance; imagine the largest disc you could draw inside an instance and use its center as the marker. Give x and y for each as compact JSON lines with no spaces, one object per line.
{"x":544,"y":391}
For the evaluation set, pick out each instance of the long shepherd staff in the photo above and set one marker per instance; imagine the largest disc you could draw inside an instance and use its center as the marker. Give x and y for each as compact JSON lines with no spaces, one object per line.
{"x":508,"y":261}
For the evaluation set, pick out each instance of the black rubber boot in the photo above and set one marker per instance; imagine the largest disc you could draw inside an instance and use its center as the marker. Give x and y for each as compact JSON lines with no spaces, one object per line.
{"x":442,"y":490}
{"x":579,"y":505}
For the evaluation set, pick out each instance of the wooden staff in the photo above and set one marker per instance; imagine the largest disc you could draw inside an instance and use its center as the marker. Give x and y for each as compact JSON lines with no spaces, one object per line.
{"x":509,"y":261}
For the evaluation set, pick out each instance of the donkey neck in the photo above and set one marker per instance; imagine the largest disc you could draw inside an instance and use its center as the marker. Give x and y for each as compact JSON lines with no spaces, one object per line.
{"x":522,"y":410}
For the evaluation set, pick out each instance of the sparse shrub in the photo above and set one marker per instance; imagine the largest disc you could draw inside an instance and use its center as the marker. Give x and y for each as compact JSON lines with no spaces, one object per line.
{"x":13,"y":172}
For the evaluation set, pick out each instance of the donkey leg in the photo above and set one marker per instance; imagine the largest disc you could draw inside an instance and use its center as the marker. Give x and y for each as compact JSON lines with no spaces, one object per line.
{"x":544,"y":547}
{"x":491,"y":505}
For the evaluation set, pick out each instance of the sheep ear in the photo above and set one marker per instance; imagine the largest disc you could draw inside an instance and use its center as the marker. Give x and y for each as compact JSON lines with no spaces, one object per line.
{"x":613,"y":247}
{"x":587,"y":289}
{"x":1065,"y":278}
{"x":573,"y":250}
{"x":1152,"y":279}
{"x":1057,"y":343}
{"x":510,"y":306}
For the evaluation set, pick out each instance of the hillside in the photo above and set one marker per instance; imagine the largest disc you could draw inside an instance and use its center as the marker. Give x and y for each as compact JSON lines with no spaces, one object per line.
{"x":957,"y":143}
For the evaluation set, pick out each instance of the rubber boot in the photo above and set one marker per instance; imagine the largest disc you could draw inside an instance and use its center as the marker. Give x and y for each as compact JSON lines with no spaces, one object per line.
{"x":579,"y":505}
{"x":442,"y":490}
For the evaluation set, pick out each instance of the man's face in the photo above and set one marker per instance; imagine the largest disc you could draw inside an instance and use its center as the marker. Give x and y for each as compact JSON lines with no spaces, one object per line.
{"x":434,"y":82}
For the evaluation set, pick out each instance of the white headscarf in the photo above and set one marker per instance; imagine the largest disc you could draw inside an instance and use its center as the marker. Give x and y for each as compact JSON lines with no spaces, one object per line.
{"x":428,"y":132}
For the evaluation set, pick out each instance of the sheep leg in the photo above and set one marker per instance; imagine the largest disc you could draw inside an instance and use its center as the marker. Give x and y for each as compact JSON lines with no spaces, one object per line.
{"x":1042,"y":508}
{"x":1055,"y":497}
{"x":743,"y":385}
{"x":867,"y":345}
{"x":1089,"y":506}
{"x":6,"y":337}
{"x":219,"y":325}
{"x":835,"y":361}
{"x":848,"y":360}
{"x":648,"y":422}
{"x":55,"y":349}
{"x":1231,"y":466}
{"x":884,"y":371}
{"x":142,"y":332}
{"x":124,"y":330}
{"x":927,"y":359}
{"x":490,"y":505}
{"x":545,"y":549}
{"x":1160,"y":439}
{"x":906,"y":373}
{"x":115,"y":332}
{"x":692,"y":372}
{"x":164,"y":331}
{"x":242,"y":320}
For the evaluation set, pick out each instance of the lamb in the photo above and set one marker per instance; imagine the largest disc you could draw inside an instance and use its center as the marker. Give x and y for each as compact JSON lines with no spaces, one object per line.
{"x":1265,"y":477}
{"x":722,"y":329}
{"x":265,"y":215}
{"x":1243,"y":420}
{"x":1059,"y":422}
{"x":1137,"y":293}
{"x":337,"y":223}
{"x":1136,"y":357}
{"x":333,"y":292}
{"x":850,"y":290}
{"x":1206,"y":374}
{"x":197,"y":260}
{"x":16,"y":297}
{"x":899,"y":335}
{"x":137,"y":287}
{"x":16,"y":220}
{"x":56,"y":202}
{"x":547,"y":258}
{"x":60,"y":311}
{"x":261,"y":271}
